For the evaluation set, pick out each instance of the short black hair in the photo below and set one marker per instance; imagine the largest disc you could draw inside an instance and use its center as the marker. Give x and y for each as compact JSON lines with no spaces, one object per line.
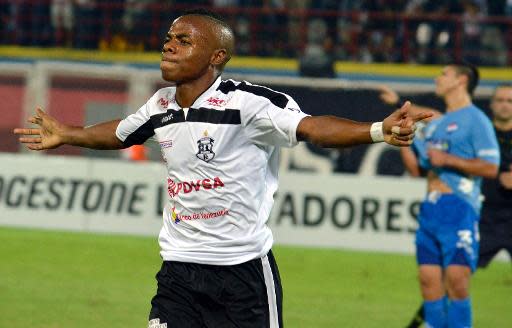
{"x":471,"y":71}
{"x":208,"y":14}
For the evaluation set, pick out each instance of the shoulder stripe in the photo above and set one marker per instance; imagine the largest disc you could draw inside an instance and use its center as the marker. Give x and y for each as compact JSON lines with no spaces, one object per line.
{"x":209,"y":115}
{"x":278,"y":99}
{"x":139,"y":136}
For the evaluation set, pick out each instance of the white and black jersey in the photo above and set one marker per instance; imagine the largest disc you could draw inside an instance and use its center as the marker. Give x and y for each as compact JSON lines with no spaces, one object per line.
{"x":222,"y":162}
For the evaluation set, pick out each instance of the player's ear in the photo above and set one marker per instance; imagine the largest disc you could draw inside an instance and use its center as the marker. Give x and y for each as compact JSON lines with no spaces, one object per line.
{"x":464,"y":79}
{"x":219,"y":57}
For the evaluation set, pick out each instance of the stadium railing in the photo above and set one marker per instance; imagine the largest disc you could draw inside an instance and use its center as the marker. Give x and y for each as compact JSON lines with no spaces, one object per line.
{"x":388,"y":36}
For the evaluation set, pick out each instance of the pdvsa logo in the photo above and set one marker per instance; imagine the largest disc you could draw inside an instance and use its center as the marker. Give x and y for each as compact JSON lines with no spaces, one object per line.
{"x":174,"y":188}
{"x":205,"y":148}
{"x":216,"y":102}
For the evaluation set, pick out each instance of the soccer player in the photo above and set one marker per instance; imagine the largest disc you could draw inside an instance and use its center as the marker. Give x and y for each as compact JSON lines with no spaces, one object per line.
{"x":220,"y":141}
{"x":456,"y":150}
{"x":496,"y":217}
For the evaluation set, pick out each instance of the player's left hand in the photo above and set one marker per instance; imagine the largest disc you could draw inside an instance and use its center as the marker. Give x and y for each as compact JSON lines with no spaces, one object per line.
{"x":399,"y":127}
{"x":438,"y":158}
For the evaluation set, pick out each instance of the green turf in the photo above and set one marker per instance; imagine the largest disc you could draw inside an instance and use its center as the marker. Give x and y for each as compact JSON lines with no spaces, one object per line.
{"x":62,"y":279}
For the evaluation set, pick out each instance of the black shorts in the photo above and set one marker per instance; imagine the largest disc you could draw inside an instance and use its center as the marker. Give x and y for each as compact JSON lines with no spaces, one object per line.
{"x":495,"y":234}
{"x":198,"y":295}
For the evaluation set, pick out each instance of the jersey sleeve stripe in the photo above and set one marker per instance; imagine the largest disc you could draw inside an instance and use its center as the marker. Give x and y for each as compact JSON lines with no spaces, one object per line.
{"x":140,"y":135}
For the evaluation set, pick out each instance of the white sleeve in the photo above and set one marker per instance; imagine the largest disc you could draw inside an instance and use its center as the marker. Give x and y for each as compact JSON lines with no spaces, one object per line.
{"x":270,"y":124}
{"x":136,"y":128}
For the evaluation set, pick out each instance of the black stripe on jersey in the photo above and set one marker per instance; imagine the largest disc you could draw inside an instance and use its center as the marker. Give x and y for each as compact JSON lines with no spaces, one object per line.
{"x":209,"y":115}
{"x":278,"y":99}
{"x":139,"y":136}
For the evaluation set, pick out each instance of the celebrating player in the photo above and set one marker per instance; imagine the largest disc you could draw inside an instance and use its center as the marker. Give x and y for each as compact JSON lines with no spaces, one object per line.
{"x":223,"y":136}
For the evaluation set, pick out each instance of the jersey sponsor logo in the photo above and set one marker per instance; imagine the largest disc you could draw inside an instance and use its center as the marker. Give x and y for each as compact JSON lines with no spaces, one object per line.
{"x":174,"y":188}
{"x":177,"y":218}
{"x":205,"y":148}
{"x":174,"y":215}
{"x":167,"y":99}
{"x":165,"y":144}
{"x":163,"y":102}
{"x":452,"y":127}
{"x":216,"y":102}
{"x":155,"y":323}
{"x":167,"y":118}
{"x":438,"y":144}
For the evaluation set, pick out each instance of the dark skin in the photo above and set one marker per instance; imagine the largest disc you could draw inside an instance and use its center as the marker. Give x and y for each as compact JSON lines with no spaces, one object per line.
{"x":193,"y":56}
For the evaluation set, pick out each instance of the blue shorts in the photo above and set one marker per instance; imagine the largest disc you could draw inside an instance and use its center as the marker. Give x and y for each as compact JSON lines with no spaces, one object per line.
{"x":448,"y":232}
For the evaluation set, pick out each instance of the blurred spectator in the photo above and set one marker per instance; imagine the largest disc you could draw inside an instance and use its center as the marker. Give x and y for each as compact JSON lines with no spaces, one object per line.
{"x":381,"y":29}
{"x":137,"y":21}
{"x":62,"y":18}
{"x":434,"y":30}
{"x":40,"y":31}
{"x":110,"y":13}
{"x":318,"y":59}
{"x":327,"y":9}
{"x":493,"y":48}
{"x":7,"y":21}
{"x":272,"y":23}
{"x":86,"y":30}
{"x":349,"y":29}
{"x":15,"y":22}
{"x":472,"y":31}
{"x":297,"y":11}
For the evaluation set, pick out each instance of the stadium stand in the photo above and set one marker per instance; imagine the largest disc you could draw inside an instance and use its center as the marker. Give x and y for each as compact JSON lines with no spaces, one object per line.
{"x":429,"y":31}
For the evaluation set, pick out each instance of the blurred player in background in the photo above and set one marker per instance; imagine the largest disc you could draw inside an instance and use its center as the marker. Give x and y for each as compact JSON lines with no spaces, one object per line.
{"x":496,"y":217}
{"x":496,"y":222}
{"x":456,"y":150}
{"x":220,"y":141}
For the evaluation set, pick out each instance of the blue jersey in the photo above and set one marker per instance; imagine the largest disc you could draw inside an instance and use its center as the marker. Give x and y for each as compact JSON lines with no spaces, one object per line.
{"x":466,"y":133}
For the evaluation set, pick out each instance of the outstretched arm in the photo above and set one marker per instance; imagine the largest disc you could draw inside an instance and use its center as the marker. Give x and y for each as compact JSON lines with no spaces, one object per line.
{"x":334,"y":132}
{"x":50,"y":134}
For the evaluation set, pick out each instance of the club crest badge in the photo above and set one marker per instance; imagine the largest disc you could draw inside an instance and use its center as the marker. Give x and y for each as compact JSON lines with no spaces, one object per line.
{"x":205,"y":148}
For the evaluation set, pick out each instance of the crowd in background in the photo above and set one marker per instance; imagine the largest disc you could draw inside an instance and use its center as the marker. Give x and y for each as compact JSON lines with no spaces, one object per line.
{"x":319,"y":32}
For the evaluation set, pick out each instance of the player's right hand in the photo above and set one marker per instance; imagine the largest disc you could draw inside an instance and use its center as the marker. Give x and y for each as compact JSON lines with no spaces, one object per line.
{"x":399,"y":127}
{"x":388,"y":96}
{"x":48,"y":135}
